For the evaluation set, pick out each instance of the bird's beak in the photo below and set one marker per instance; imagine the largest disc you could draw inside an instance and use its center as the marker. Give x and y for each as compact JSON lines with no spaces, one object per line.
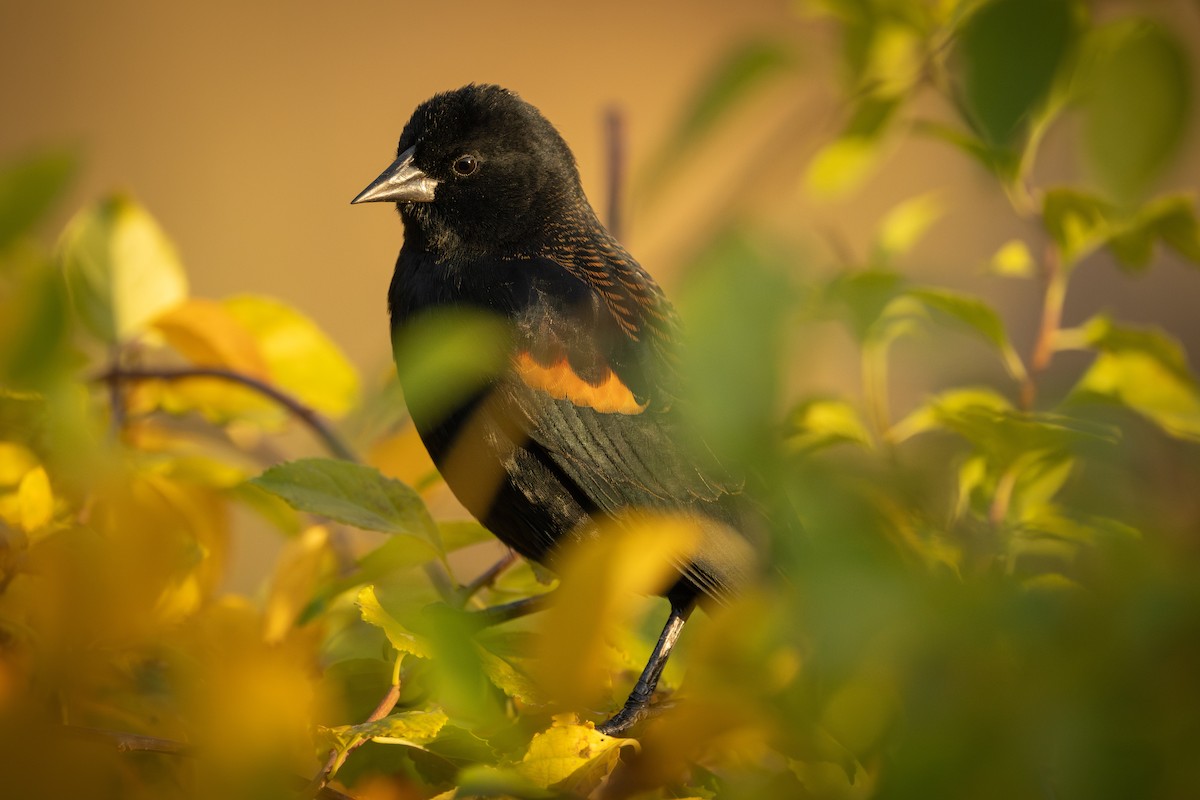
{"x":402,"y":182}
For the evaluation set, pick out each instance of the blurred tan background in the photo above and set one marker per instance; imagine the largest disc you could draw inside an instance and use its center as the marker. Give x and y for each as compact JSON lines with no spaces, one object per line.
{"x":247,"y":127}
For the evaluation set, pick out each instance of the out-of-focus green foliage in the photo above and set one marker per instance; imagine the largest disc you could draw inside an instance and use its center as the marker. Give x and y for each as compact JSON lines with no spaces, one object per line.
{"x":989,"y":592}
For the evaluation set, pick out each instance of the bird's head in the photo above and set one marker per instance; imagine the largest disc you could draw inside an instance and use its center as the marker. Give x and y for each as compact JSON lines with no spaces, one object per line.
{"x":478,"y":171}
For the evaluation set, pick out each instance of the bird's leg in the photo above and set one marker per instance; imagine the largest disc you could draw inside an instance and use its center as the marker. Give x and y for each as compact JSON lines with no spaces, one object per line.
{"x":639,"y":699}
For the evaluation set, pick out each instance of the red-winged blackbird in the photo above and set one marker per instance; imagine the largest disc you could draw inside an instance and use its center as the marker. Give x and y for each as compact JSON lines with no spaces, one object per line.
{"x":583,"y":425}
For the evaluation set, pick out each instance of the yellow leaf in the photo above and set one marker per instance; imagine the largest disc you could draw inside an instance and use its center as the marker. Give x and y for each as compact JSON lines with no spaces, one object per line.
{"x":840,"y":166}
{"x":15,"y":461}
{"x":179,"y":600}
{"x":904,"y":225}
{"x":205,"y":333}
{"x":567,"y":747}
{"x":601,"y":581}
{"x":297,"y":571}
{"x":1013,"y":260}
{"x":300,"y":358}
{"x":896,"y":59}
{"x":36,"y":500}
{"x":218,"y":400}
{"x":400,"y":637}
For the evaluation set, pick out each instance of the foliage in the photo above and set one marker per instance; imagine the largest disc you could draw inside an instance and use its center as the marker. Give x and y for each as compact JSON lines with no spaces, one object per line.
{"x":992,"y":593}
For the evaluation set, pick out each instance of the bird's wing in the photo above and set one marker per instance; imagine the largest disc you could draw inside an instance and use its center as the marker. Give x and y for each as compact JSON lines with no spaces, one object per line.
{"x":592,"y":386}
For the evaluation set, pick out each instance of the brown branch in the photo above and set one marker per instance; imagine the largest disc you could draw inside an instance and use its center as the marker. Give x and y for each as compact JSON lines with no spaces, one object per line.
{"x":117,"y":375}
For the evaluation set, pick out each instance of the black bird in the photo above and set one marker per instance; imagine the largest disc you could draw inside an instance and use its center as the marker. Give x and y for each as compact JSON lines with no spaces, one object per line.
{"x":583,"y":423}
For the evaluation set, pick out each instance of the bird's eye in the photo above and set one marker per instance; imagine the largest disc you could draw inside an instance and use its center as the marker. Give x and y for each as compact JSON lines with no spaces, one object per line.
{"x":465,"y":165}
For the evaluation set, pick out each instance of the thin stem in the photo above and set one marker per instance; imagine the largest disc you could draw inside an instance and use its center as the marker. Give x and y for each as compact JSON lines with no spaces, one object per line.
{"x":874,"y":383}
{"x":1054,"y":297}
{"x":488,"y":576}
{"x":335,"y":760}
{"x":117,"y":375}
{"x":1002,"y":498}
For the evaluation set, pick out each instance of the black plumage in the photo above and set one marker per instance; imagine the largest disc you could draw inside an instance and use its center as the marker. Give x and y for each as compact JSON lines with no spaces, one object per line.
{"x":583,"y":424}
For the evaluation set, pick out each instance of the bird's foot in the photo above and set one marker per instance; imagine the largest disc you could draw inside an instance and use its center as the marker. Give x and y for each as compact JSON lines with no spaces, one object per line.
{"x":626,"y":718}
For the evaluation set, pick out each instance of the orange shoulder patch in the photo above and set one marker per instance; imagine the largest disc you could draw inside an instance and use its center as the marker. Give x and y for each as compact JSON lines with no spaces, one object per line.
{"x":561,"y":382}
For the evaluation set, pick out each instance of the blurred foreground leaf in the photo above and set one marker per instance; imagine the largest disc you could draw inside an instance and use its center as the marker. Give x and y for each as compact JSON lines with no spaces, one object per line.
{"x":29,"y":186}
{"x":121,"y":269}
{"x":1012,"y":51}
{"x":743,"y":69}
{"x":445,"y":357}
{"x":1138,"y":103}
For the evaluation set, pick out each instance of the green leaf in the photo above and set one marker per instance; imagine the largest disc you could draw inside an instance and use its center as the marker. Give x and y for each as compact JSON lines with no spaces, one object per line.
{"x":1171,"y":219}
{"x":734,"y":300}
{"x":1078,"y":222}
{"x":1137,"y":107}
{"x":352,"y":494}
{"x":459,"y":533}
{"x":1038,"y":484}
{"x":816,"y":424}
{"x":929,"y":415}
{"x":842,"y":165}
{"x":443,"y":357}
{"x":979,"y":318}
{"x":1146,"y":371}
{"x":998,"y":161}
{"x":481,"y":780}
{"x":121,"y":269}
{"x":862,"y":297}
{"x":1012,"y":51}
{"x":508,"y":678}
{"x":404,"y":640}
{"x":990,"y":424}
{"x":34,"y":328}
{"x":413,"y":728}
{"x":29,"y":186}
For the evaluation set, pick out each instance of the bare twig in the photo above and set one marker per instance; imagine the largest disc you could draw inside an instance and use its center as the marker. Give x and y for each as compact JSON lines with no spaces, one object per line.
{"x":117,"y":375}
{"x":129,"y":742}
{"x":488,"y":576}
{"x":614,"y":146}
